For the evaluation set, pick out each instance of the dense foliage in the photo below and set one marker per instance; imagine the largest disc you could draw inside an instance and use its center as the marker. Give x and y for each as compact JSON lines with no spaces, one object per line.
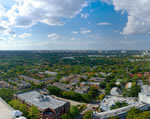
{"x":6,"y":94}
{"x":88,"y":115}
{"x":72,"y":114}
{"x":119,"y":105}
{"x":137,"y":114}
{"x":69,"y":94}
{"x":17,"y":105}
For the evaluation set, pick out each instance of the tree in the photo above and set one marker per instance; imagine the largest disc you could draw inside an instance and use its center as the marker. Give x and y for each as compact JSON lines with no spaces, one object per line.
{"x":23,"y":109}
{"x":101,"y":96}
{"x":119,"y":105}
{"x":82,"y":79}
{"x":103,"y":84}
{"x":93,"y":92}
{"x":6,"y":94}
{"x":113,"y":117}
{"x":132,"y":92}
{"x":144,"y":115}
{"x":33,"y":113}
{"x":88,"y":115}
{"x":109,"y":86}
{"x":86,"y":97}
{"x":74,"y":111}
{"x":16,"y":104}
{"x":132,"y":113}
{"x":66,"y":116}
{"x":54,"y":90}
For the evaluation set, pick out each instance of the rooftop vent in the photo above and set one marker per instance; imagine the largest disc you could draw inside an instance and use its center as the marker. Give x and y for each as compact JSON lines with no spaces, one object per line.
{"x":43,"y":98}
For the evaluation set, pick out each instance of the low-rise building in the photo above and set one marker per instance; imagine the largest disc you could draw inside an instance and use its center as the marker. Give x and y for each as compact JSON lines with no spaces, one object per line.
{"x":63,"y":86}
{"x":143,"y":103}
{"x":96,"y":79}
{"x":109,"y":101}
{"x":35,"y":81}
{"x":128,"y":85}
{"x":140,"y":83}
{"x":4,"y":84}
{"x":50,"y":73}
{"x":26,"y":78}
{"x":71,"y":78}
{"x":115,"y":91}
{"x":83,"y":89}
{"x":49,"y":107}
{"x":146,"y":74}
{"x":94,"y":84}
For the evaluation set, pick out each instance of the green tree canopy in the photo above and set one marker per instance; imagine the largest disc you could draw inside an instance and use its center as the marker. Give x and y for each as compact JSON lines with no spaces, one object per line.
{"x":74,"y":111}
{"x":6,"y":94}
{"x":33,"y":113}
{"x":88,"y":115}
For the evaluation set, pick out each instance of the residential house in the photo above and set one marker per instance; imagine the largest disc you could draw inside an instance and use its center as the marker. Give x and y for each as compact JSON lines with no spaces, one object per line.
{"x":128,"y":85}
{"x":82,"y":90}
{"x":50,"y":73}
{"x":63,"y":86}
{"x":4,"y":84}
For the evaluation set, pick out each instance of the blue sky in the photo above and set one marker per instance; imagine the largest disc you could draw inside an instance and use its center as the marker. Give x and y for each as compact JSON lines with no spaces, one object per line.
{"x":74,"y":24}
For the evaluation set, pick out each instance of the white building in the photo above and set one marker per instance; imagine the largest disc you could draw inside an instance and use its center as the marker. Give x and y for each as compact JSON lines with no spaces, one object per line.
{"x":115,"y":91}
{"x":128,"y":85}
{"x":110,"y":101}
{"x":144,"y":95}
{"x":50,"y":73}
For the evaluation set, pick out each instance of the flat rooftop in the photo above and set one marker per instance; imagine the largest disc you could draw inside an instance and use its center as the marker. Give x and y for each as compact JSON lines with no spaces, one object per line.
{"x":40,"y":101}
{"x":5,"y":110}
{"x":111,"y":100}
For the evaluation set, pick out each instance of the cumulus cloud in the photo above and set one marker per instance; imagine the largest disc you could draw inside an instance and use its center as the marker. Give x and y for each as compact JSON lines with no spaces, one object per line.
{"x":138,"y":15}
{"x":2,"y":11}
{"x":25,"y":35}
{"x":74,"y":32}
{"x":53,"y":36}
{"x":84,"y":15}
{"x":103,"y":24}
{"x":2,"y":28}
{"x":7,"y":32}
{"x":25,"y":13}
{"x":84,"y":31}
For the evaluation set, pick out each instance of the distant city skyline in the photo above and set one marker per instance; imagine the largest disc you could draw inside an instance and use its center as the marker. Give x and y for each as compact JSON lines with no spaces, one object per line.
{"x":74,"y":25}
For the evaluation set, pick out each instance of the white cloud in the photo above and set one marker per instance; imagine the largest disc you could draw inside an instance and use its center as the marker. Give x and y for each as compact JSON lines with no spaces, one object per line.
{"x":2,"y":28}
{"x":107,"y":1}
{"x":103,"y":23}
{"x":84,"y":31}
{"x":25,"y":13}
{"x":116,"y":31}
{"x":85,"y":16}
{"x":138,"y":15}
{"x":74,"y":32}
{"x":53,"y":36}
{"x":2,"y":11}
{"x":25,"y":35}
{"x":72,"y":39}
